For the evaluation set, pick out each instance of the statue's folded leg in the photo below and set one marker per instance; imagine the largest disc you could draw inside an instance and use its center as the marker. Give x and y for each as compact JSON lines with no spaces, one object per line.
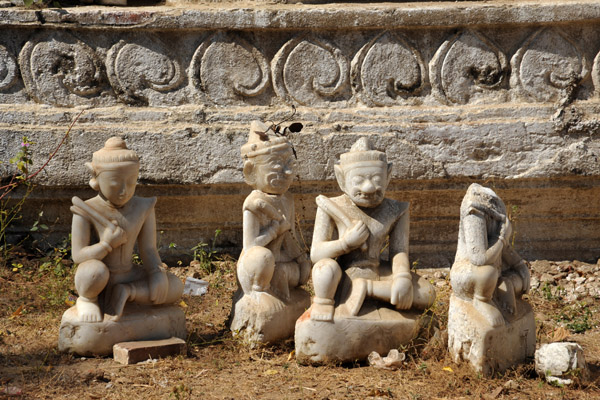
{"x":90,"y":280}
{"x":255,"y":269}
{"x":326,"y":276}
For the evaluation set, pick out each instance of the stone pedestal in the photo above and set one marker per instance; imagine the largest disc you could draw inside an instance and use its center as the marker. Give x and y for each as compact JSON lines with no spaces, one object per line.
{"x":137,"y":323}
{"x":349,"y":339}
{"x":262,"y":318}
{"x":489,"y":350}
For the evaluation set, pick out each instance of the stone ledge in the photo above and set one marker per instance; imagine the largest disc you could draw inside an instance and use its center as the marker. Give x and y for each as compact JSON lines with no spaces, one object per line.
{"x":258,"y":15}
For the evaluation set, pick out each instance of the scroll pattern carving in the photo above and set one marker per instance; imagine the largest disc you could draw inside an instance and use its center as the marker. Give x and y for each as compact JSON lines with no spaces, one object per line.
{"x":139,"y":69}
{"x":547,"y":65}
{"x":391,"y":68}
{"x":310,"y":71}
{"x":229,"y":70}
{"x":387,"y":70}
{"x":467,"y":65}
{"x":60,"y":69}
{"x":8,"y":69}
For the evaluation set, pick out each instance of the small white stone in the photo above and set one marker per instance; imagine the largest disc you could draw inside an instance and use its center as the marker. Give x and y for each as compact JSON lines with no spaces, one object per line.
{"x":559,"y":362}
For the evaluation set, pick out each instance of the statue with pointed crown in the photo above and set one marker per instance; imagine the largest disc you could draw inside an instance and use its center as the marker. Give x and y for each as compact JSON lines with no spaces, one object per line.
{"x":117,"y":298}
{"x":272,"y":264}
{"x":357,"y":292}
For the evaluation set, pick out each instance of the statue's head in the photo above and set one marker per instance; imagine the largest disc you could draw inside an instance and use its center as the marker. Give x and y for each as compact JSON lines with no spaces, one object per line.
{"x":268,"y":160}
{"x":364,"y":174}
{"x":485,"y":202}
{"x":115,"y":171}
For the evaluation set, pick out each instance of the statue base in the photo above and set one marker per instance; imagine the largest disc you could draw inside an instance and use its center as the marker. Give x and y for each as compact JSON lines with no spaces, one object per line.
{"x":262,"y":318}
{"x":489,"y":350}
{"x":348,"y":338}
{"x":137,"y":323}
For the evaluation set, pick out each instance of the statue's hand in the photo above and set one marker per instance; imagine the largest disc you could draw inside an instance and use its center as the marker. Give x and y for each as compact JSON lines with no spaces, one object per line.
{"x":356,"y":235}
{"x":402,"y":293}
{"x":114,"y":235}
{"x":284,"y":226}
{"x":159,"y":286}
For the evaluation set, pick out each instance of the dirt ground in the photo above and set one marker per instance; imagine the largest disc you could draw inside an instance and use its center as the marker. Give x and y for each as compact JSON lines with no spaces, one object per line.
{"x":34,"y":292}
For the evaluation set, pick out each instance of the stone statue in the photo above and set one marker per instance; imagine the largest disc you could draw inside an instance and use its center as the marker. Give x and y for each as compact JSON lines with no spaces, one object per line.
{"x":272,"y":264}
{"x":105,"y":230}
{"x":351,"y":231}
{"x":488,"y":278}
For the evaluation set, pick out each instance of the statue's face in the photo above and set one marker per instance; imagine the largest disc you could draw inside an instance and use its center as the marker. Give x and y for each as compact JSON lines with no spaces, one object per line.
{"x":117,"y":185}
{"x":366,"y":184}
{"x":274,"y":172}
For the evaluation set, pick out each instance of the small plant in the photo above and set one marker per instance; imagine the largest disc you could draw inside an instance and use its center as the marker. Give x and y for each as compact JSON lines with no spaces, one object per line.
{"x":10,"y":209}
{"x":205,"y":254}
{"x":577,"y":318}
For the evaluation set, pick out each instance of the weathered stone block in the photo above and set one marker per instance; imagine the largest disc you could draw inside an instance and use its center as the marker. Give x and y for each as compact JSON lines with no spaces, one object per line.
{"x":137,"y":323}
{"x":489,"y":350}
{"x":134,"y":352}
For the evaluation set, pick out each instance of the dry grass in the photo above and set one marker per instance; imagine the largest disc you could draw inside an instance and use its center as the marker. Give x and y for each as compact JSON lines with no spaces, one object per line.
{"x":218,"y":366}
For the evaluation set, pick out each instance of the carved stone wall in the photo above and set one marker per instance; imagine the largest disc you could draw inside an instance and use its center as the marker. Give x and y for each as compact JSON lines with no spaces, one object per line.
{"x":496,"y":92}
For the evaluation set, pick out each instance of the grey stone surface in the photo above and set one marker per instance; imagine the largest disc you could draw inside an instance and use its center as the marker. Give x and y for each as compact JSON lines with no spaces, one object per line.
{"x":451,"y":90}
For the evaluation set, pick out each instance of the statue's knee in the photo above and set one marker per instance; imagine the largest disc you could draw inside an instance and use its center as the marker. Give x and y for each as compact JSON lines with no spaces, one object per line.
{"x":327,"y":269}
{"x":91,"y":278}
{"x":255,"y":268}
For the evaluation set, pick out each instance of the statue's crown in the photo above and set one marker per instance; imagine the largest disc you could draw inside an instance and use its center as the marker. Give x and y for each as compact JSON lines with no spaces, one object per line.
{"x":263,"y":140}
{"x":362,"y":151}
{"x":115,"y":150}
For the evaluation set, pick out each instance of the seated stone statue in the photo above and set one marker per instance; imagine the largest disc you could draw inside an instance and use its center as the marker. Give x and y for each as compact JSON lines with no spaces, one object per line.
{"x":351,"y":231}
{"x":105,"y":230}
{"x":272,"y":264}
{"x":488,"y":278}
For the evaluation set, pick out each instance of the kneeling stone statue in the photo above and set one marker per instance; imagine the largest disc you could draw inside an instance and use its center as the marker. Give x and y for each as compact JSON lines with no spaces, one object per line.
{"x":489,"y":324}
{"x":118,"y":300}
{"x":272,"y":264}
{"x":362,"y":303}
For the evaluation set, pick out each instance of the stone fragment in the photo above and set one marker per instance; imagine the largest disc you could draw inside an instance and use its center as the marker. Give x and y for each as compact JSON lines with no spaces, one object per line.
{"x":561,"y":362}
{"x":134,"y":352}
{"x":392,"y":361}
{"x":489,"y":325}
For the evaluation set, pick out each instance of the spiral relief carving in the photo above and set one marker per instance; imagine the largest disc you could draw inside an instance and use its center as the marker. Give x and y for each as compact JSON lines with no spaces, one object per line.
{"x":548,"y":66}
{"x":387,"y":70}
{"x":140,"y":70}
{"x":310,"y":71}
{"x":60,"y":69}
{"x":228,"y":69}
{"x":467,"y":65}
{"x":8,"y":69}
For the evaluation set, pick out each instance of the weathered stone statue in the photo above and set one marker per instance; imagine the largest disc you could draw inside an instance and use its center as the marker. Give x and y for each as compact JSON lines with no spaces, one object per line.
{"x":360,"y":299}
{"x":272,"y":264}
{"x":118,"y":300}
{"x":488,"y":323}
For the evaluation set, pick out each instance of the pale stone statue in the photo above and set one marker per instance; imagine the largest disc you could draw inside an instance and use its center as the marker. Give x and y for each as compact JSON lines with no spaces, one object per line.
{"x":272,"y":264}
{"x":350,"y":234}
{"x":488,"y":278}
{"x":105,"y":230}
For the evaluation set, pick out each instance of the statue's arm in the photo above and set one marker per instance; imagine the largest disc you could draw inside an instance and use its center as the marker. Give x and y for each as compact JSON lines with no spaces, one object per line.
{"x":81,"y":249}
{"x":158,"y":281}
{"x":476,"y":240}
{"x":322,"y":245}
{"x":147,"y":243}
{"x":252,"y":233}
{"x":399,"y":244}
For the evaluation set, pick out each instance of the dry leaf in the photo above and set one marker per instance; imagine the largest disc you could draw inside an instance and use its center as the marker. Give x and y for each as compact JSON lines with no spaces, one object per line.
{"x":271,"y":372}
{"x":291,"y":355}
{"x":17,"y":311}
{"x":560,"y":334}
{"x":447,"y":369}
